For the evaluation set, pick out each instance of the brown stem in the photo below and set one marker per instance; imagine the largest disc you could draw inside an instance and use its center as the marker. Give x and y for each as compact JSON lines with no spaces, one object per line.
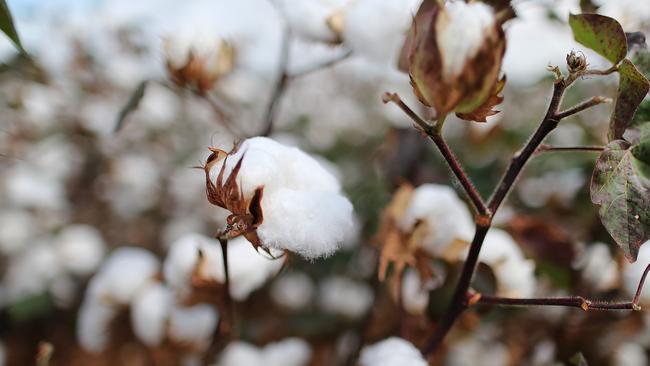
{"x":228,"y":297}
{"x":571,"y":301}
{"x":446,"y":152}
{"x":546,"y":148}
{"x":582,"y":106}
{"x":639,"y":288}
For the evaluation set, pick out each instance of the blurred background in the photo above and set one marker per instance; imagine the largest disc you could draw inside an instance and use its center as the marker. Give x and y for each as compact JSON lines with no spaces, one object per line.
{"x":78,"y":181}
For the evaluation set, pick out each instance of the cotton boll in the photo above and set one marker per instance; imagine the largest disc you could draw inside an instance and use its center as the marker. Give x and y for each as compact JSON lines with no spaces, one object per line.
{"x":63,"y":290}
{"x":391,"y":352}
{"x":93,"y":324}
{"x":415,"y":296}
{"x":27,"y":187}
{"x":80,"y":248}
{"x":377,"y":29}
{"x":134,"y":184}
{"x":599,"y":268}
{"x":309,"y":18}
{"x":17,"y":227}
{"x":312,"y":224}
{"x":343,"y":296}
{"x":183,"y":257}
{"x":630,"y":354}
{"x":149,"y":312}
{"x":447,"y":217}
{"x":248,"y":269}
{"x":515,"y":274}
{"x":287,"y":352}
{"x":632,"y":273}
{"x":476,"y":351}
{"x":293,"y":290}
{"x":124,"y":274}
{"x":55,"y":157}
{"x":193,"y":325}
{"x":32,"y":271}
{"x":469,"y":22}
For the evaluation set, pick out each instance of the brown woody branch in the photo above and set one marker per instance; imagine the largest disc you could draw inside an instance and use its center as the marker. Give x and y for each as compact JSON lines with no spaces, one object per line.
{"x":547,"y":148}
{"x":582,"y":106}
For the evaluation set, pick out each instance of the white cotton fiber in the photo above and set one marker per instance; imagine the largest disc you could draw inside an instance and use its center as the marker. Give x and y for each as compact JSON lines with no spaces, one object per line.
{"x":293,"y":290}
{"x":93,"y":324}
{"x":149,"y":312}
{"x":308,"y":18}
{"x":124,"y":273}
{"x":80,"y":248}
{"x":312,"y":224}
{"x":447,"y":217}
{"x":303,"y":208}
{"x":415,"y":296}
{"x":343,"y":296}
{"x":287,"y":352}
{"x":391,"y":352}
{"x":194,"y":325}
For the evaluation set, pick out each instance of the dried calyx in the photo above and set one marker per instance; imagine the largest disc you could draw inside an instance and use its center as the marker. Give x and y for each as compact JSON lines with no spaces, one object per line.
{"x":576,"y":62}
{"x":453,"y":55}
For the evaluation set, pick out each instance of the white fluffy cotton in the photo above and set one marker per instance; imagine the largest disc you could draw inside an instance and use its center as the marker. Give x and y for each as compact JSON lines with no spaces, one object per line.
{"x":391,"y":352}
{"x":80,"y":248}
{"x":344,"y":296}
{"x":93,"y":322}
{"x":193,"y":325}
{"x":149,"y":313}
{"x":248,"y":269}
{"x":514,"y":273}
{"x":415,"y":296}
{"x":287,"y":352}
{"x":304,"y":210}
{"x":309,"y":18}
{"x":447,"y":217}
{"x":293,"y":290}
{"x":461,"y":30}
{"x":599,"y":268}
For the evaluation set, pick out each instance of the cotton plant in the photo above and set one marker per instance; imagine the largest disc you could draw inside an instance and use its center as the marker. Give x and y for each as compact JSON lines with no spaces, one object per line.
{"x":280,"y":198}
{"x":391,"y":352}
{"x":289,"y":351}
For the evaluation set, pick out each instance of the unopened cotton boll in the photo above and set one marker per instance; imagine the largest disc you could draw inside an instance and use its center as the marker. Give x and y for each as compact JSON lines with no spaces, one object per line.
{"x":124,"y":273}
{"x":287,"y":352}
{"x":302,"y":208}
{"x":80,"y":248}
{"x":447,"y":217}
{"x":346,"y":297}
{"x":193,"y":325}
{"x":393,"y":351}
{"x":149,"y":312}
{"x":293,"y":290}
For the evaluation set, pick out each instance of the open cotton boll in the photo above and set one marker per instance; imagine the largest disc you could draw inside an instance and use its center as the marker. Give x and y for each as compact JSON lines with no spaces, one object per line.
{"x":293,"y":290}
{"x":377,"y":29}
{"x":80,"y":248}
{"x":124,"y":273}
{"x":515,"y":275}
{"x":93,"y":324}
{"x":312,"y":224}
{"x":415,"y":297}
{"x":309,"y":18}
{"x":135,"y":184}
{"x":474,"y":350}
{"x":447,"y":217}
{"x":469,"y":22}
{"x":17,"y":228}
{"x":599,"y":268}
{"x":630,"y":354}
{"x":32,"y":271}
{"x":287,"y":352}
{"x":392,"y":351}
{"x":193,"y":325}
{"x":343,"y":296}
{"x":149,"y":312}
{"x":27,"y":187}
{"x":632,"y":273}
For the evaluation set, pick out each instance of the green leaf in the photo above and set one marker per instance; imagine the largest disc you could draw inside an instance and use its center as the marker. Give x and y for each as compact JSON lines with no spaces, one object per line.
{"x":578,"y":360}
{"x":131,"y":105}
{"x":7,"y":26}
{"x":601,"y":34}
{"x":632,"y":88}
{"x":621,"y":186}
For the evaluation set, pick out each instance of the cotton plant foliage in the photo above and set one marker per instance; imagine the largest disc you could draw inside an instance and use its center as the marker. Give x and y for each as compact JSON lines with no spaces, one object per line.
{"x":279,"y":197}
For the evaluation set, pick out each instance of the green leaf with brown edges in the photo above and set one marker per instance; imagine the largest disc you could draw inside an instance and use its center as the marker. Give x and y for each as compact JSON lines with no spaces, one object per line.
{"x":632,"y":88}
{"x":131,"y":105}
{"x":621,"y":186}
{"x":7,"y":26}
{"x":601,"y":34}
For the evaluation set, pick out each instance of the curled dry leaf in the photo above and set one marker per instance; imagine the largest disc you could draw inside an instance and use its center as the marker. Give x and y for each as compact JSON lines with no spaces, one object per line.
{"x":246,"y":214}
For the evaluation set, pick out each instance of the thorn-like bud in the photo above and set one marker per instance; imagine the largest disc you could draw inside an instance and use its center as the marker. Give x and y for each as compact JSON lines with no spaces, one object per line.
{"x":576,"y":62}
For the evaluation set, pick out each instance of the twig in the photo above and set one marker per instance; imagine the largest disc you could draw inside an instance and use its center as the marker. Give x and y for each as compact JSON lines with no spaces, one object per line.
{"x":546,"y":148}
{"x":320,"y":66}
{"x":280,"y":85}
{"x":228,"y":297}
{"x":582,"y":106}
{"x":571,"y":301}
{"x":435,"y":135}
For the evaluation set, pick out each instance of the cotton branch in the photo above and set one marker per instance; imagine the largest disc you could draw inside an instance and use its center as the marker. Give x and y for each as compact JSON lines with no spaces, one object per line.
{"x":435,"y":135}
{"x":547,"y":148}
{"x":228,"y":297}
{"x":582,"y":106}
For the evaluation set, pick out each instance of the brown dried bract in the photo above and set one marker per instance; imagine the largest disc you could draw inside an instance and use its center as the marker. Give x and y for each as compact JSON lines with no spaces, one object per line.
{"x":246,"y":214}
